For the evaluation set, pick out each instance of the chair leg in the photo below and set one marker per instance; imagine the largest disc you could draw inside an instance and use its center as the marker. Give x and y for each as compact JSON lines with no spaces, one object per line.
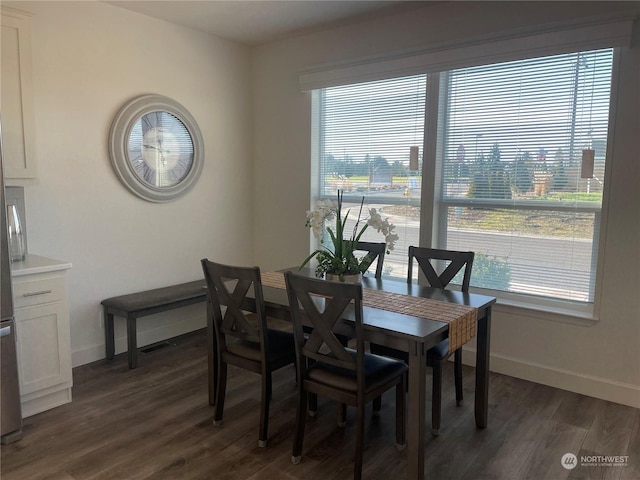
{"x":216,"y":374}
{"x":264,"y":409}
{"x":313,"y":404}
{"x":221,"y":388}
{"x":301,"y":418}
{"x":400,"y":414}
{"x":342,"y":415}
{"x":436,"y":402}
{"x":357,"y":470}
{"x":457,"y":368}
{"x":269,"y":387}
{"x":377,"y":405}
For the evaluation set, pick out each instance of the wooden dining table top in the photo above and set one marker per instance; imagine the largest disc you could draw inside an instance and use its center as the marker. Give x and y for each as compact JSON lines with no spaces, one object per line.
{"x":395,"y":327}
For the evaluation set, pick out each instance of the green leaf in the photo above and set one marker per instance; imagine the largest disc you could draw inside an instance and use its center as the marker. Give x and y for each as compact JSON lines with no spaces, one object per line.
{"x":308,"y":259}
{"x":366,"y":225}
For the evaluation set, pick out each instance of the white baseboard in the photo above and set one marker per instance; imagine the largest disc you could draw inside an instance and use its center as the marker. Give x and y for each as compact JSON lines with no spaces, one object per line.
{"x":592,"y":386}
{"x":87,"y":355}
{"x":45,"y":400}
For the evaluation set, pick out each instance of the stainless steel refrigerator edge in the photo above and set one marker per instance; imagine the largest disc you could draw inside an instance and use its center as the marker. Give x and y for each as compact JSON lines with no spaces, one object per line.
{"x":10,"y":411}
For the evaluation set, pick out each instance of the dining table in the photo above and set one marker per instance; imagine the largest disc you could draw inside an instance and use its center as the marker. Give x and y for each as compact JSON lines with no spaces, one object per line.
{"x":409,"y":332}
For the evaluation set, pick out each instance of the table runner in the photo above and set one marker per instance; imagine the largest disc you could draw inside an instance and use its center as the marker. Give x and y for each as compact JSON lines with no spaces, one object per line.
{"x":462,"y":319}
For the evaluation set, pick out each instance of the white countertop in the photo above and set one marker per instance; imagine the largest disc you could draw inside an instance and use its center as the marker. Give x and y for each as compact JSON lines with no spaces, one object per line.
{"x":37,"y":264}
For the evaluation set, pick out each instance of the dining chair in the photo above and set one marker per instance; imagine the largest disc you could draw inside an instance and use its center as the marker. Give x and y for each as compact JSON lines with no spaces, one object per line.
{"x":243,"y":338}
{"x":448,"y":263}
{"x":375,"y":251}
{"x":325,"y":367}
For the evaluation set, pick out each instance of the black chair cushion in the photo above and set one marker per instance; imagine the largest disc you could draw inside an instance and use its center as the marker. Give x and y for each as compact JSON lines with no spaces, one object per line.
{"x":281,"y":345}
{"x":377,"y":370}
{"x":438,"y":353}
{"x":435,"y":354}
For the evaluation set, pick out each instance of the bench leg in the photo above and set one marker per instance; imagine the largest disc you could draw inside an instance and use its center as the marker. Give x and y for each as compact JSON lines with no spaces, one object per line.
{"x":109,"y":335}
{"x":132,"y":342}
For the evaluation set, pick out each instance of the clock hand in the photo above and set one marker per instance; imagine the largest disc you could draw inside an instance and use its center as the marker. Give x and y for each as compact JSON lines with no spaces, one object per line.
{"x":161,"y":151}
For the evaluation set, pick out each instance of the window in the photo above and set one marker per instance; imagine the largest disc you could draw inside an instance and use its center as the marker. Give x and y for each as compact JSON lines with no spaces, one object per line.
{"x":366,"y":134}
{"x":511,"y":187}
{"x":509,"y":142}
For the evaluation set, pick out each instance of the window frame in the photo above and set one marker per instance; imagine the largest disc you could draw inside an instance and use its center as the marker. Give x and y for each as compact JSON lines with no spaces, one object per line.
{"x":432,"y":205}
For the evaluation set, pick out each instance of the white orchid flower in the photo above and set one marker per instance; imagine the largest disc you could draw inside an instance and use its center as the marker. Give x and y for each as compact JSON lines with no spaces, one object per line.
{"x":327,"y":210}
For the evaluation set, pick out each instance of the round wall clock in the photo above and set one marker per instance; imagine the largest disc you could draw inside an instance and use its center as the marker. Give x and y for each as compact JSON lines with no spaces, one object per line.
{"x":156,"y":148}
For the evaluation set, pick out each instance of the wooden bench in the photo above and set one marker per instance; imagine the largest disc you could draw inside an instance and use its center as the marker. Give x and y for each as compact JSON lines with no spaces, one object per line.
{"x":145,"y":303}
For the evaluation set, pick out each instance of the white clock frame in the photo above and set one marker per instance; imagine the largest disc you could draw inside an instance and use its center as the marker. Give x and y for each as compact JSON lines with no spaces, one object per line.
{"x":120,"y":132}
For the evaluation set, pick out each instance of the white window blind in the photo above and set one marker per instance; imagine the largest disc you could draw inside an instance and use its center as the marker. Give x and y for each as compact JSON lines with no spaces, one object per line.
{"x":366,"y":134}
{"x":511,"y":185}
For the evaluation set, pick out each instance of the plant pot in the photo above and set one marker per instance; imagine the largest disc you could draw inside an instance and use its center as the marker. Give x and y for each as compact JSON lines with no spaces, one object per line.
{"x":357,"y":278}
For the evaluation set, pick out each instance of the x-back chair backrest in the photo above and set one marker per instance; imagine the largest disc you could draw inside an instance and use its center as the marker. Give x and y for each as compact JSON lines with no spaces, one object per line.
{"x":323,"y":304}
{"x":374,"y":251}
{"x":458,"y":261}
{"x":228,"y":287}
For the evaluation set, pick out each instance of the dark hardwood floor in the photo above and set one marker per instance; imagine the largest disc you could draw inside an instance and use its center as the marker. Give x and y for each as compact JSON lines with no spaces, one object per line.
{"x":155,"y":422}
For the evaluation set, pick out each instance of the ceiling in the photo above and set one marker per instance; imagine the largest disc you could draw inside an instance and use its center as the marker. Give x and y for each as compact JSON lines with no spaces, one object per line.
{"x":254,"y":22}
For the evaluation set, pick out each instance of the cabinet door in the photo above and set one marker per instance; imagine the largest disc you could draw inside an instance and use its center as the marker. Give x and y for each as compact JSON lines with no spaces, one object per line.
{"x":44,"y":358}
{"x":18,"y":122}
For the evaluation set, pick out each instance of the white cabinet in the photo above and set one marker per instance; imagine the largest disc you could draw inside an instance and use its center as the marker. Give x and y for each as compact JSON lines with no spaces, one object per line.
{"x":43,"y":337}
{"x":18,"y":120}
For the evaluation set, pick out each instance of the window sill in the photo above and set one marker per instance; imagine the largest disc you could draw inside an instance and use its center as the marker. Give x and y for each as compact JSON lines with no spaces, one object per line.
{"x":546,"y":309}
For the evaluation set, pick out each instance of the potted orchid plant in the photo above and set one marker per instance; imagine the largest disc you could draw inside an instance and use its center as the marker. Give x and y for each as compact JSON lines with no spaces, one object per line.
{"x":339,"y":259}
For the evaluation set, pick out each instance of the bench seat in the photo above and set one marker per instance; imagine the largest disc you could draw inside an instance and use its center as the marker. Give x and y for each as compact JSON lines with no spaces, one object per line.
{"x":140,"y":304}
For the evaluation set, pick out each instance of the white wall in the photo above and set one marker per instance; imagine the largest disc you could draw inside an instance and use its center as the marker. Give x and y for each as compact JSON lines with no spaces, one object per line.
{"x":89,"y":58}
{"x":602,"y":360}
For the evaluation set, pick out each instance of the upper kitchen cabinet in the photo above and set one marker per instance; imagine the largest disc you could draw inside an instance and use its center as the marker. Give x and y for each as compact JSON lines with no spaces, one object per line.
{"x":16,"y":107}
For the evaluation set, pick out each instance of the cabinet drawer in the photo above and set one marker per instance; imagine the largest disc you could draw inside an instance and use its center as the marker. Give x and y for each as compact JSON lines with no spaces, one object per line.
{"x":37,"y":292}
